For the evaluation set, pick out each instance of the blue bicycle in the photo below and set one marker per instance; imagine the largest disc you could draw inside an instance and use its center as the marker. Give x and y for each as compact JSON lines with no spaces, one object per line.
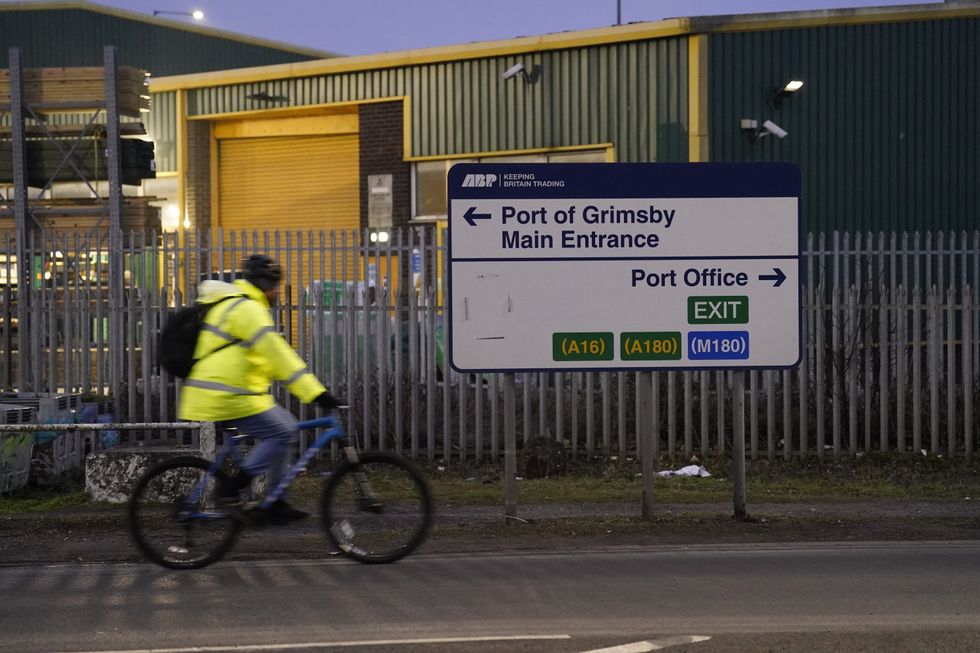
{"x":376,"y":506}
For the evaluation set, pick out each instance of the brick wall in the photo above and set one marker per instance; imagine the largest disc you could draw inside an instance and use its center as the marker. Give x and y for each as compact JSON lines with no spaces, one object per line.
{"x":197,"y":177}
{"x":382,"y":152}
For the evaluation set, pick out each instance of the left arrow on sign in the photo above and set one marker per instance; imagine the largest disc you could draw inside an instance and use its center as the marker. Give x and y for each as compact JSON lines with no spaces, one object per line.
{"x":471,"y":217}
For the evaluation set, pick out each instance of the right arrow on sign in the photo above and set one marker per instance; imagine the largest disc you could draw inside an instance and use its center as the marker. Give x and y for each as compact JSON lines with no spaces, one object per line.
{"x":779,"y":277}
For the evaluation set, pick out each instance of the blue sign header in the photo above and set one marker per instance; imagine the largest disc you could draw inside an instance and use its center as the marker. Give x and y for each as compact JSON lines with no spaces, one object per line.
{"x":639,"y":180}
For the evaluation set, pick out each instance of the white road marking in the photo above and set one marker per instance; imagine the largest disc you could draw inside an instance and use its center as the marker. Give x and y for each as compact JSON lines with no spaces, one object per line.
{"x":307,"y":645}
{"x":651,"y":645}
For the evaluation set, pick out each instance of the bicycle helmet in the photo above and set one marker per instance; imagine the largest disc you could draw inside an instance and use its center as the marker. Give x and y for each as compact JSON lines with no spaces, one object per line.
{"x":262,"y":272}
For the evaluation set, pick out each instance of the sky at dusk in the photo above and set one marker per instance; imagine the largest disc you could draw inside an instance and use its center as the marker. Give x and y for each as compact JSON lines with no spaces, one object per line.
{"x":373,"y":26}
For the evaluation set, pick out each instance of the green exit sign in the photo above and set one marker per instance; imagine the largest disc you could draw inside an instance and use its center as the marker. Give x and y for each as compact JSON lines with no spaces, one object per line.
{"x":723,"y":309}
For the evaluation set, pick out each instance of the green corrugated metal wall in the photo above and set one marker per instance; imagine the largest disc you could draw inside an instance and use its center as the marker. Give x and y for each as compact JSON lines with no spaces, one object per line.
{"x":161,"y":126}
{"x":75,"y":37}
{"x":886,"y":128}
{"x":573,"y":98}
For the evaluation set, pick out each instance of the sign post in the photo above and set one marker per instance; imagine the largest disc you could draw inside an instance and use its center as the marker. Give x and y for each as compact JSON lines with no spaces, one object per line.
{"x":601,"y":267}
{"x":646,"y":442}
{"x":510,"y":448}
{"x":738,"y":448}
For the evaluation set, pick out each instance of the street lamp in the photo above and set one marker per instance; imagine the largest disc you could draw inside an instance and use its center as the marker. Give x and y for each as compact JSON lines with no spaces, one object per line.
{"x":197,"y":14}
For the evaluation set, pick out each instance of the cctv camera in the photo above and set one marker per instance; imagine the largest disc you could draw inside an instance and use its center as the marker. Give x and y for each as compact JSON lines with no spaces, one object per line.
{"x":774,"y":129}
{"x":516,"y":69}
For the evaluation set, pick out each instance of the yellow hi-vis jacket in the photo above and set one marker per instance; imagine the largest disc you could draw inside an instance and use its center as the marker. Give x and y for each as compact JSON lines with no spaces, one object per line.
{"x":234,"y":382}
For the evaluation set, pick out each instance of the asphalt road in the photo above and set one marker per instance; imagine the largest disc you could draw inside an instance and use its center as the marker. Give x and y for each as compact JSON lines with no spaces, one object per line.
{"x":859,"y":597}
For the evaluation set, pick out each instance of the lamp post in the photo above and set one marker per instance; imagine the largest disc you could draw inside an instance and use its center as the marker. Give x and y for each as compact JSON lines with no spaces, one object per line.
{"x":197,"y":14}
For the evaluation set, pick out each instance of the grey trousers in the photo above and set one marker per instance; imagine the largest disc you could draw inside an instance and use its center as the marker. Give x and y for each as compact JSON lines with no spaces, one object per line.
{"x":275,"y":430}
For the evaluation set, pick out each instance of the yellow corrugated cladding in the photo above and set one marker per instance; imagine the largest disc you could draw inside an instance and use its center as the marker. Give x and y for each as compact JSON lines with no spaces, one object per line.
{"x":287,"y":126}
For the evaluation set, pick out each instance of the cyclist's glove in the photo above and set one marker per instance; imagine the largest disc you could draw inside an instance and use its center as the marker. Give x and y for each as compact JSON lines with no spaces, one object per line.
{"x":327,"y":402}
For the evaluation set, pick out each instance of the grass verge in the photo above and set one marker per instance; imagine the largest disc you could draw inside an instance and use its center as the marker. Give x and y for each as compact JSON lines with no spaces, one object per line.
{"x":811,"y":479}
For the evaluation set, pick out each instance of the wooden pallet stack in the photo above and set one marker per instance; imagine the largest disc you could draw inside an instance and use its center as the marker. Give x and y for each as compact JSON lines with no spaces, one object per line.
{"x":58,"y":119}
{"x":49,"y":91}
{"x":83,"y":216}
{"x":52,"y":90}
{"x":44,"y":157}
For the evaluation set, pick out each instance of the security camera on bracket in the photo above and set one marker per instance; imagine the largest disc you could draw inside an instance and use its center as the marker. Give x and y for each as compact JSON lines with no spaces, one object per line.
{"x":516,"y":69}
{"x":768,"y":127}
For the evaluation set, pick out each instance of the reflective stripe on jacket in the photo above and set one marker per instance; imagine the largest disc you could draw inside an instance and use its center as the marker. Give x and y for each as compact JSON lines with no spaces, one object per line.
{"x":234,"y":382}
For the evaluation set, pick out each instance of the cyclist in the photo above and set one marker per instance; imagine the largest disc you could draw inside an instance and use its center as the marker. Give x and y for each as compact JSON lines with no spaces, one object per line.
{"x":230,"y":384}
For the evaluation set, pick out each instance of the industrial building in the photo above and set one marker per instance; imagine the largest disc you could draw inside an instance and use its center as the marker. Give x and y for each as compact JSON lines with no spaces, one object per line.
{"x":883,"y":122}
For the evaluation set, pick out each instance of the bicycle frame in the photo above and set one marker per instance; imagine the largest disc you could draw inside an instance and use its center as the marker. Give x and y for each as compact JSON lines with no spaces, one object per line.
{"x":333,"y":430}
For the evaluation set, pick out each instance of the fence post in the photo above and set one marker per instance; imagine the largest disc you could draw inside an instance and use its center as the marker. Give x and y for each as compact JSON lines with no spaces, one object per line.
{"x":837,"y":325}
{"x":967,"y":372}
{"x":935,"y":342}
{"x":916,"y":368}
{"x":901,"y":345}
{"x":207,"y":440}
{"x":853,"y":338}
{"x":951,"y":370}
{"x":819,"y":342}
{"x":688,"y":413}
{"x":884,"y":364}
{"x":770,"y":415}
{"x":754,"y":413}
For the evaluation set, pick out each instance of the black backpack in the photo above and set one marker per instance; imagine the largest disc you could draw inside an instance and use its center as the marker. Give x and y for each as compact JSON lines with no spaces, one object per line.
{"x":178,"y":338}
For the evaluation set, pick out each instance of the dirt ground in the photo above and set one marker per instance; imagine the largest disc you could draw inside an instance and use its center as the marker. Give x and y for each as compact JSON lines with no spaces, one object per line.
{"x":100,"y":534}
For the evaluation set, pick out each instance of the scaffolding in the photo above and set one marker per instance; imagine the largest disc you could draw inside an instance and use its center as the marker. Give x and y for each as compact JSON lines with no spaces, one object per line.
{"x":28,"y":213}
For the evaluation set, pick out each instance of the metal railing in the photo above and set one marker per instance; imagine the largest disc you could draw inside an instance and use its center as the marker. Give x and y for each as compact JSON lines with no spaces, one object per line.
{"x":890,"y":335}
{"x":21,"y":459}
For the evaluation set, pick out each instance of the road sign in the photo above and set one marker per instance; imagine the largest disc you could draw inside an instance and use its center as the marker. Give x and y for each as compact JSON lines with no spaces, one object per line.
{"x":624,"y":266}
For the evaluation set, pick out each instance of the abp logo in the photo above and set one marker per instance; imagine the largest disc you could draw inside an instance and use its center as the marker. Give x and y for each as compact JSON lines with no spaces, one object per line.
{"x":479,"y":181}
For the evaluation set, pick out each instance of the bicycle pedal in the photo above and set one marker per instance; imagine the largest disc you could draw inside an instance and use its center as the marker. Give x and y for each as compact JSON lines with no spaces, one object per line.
{"x":236,"y":509}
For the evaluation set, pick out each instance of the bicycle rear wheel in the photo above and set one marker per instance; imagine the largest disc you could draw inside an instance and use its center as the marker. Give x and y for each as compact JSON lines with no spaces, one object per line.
{"x":173,"y":518}
{"x":377,"y":510}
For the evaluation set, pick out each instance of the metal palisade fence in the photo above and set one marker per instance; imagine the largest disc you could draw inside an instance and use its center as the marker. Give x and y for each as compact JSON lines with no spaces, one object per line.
{"x":890,"y":340}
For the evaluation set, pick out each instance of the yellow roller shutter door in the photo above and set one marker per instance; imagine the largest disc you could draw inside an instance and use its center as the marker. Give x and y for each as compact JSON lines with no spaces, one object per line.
{"x":293,"y":182}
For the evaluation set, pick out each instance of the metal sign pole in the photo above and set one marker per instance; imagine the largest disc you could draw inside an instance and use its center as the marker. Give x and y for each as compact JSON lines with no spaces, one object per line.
{"x":646,"y":440}
{"x":510,"y":448}
{"x":738,"y":450}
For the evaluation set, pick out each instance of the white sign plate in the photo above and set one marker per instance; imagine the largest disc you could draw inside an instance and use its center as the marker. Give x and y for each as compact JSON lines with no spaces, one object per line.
{"x":624,"y":266}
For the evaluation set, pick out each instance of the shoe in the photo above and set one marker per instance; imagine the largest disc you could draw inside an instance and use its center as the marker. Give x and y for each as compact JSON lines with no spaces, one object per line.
{"x":228,"y":489}
{"x":279,"y":513}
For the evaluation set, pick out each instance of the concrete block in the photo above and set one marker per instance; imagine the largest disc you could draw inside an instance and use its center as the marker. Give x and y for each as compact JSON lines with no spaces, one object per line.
{"x":111,"y":474}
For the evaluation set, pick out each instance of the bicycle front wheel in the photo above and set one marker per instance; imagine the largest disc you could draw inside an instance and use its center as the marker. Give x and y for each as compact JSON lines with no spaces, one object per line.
{"x":377,"y":510}
{"x":173,"y":518}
